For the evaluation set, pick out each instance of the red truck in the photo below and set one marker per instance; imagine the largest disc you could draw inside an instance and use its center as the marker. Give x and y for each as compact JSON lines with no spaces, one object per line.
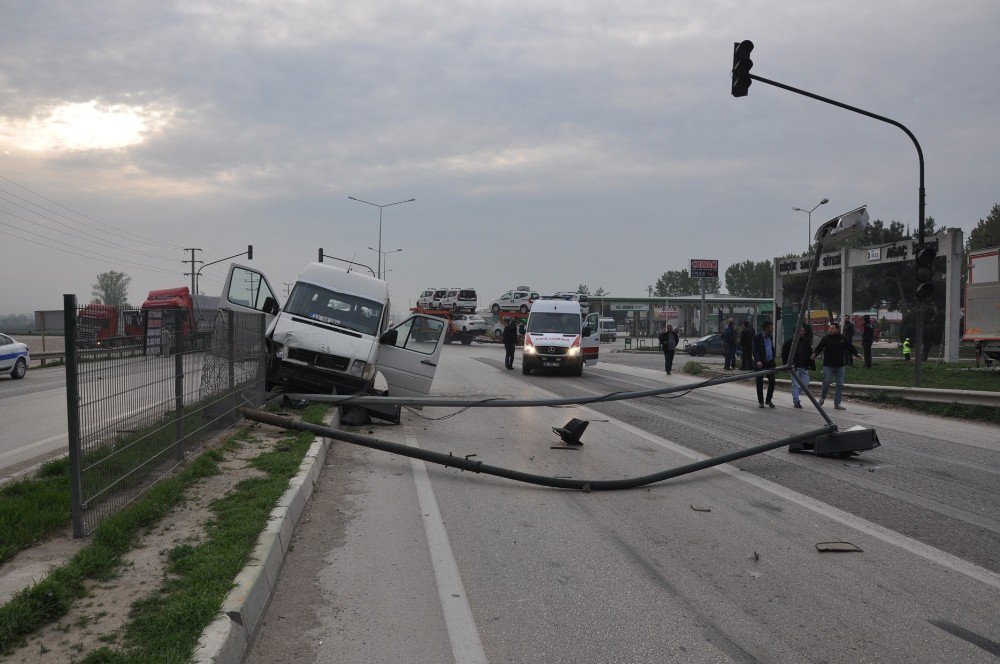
{"x":105,"y":325}
{"x":197,"y":315}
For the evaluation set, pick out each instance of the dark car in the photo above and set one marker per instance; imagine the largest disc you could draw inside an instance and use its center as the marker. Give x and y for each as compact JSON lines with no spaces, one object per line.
{"x":709,"y":345}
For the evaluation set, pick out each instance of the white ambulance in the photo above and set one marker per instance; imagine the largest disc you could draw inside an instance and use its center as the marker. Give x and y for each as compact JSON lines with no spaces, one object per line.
{"x":559,"y":336}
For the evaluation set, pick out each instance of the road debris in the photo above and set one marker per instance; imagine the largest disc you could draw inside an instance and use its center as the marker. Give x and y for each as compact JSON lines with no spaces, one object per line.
{"x":837,"y":547}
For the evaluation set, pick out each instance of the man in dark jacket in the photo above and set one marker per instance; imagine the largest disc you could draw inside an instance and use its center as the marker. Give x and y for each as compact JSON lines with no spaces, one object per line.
{"x":763,"y":358}
{"x":729,"y":339}
{"x":834,"y":347}
{"x":802,"y":361}
{"x":746,"y":346}
{"x":848,"y":333}
{"x":509,"y":342}
{"x":867,"y":339}
{"x":668,"y":344}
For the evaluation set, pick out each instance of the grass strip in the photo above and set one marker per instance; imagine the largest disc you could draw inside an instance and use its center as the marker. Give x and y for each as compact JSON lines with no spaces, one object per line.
{"x":33,"y":507}
{"x":51,"y":598}
{"x":166,"y":626}
{"x":987,"y":414}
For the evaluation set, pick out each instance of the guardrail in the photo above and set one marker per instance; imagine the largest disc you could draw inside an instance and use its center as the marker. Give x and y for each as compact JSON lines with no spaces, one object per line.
{"x":106,"y":352}
{"x":922,"y":394}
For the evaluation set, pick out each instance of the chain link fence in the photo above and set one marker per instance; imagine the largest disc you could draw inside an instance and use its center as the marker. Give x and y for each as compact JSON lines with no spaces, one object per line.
{"x":147,"y":387}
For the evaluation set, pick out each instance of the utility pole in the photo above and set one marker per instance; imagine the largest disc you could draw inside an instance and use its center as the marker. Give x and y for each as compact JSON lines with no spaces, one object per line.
{"x":702,"y":313}
{"x":193,"y":272}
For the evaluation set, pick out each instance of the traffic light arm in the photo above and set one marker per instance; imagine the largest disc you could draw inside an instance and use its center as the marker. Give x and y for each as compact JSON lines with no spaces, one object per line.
{"x":919,"y":340}
{"x":248,"y":253}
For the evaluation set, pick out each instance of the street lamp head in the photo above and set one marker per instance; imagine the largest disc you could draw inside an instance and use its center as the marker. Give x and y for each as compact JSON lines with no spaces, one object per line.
{"x":824,"y":201}
{"x":798,"y":209}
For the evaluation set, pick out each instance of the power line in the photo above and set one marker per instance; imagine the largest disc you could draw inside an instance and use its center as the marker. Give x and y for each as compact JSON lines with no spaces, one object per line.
{"x":113,"y":261}
{"x":148,"y":240}
{"x":73,"y":234}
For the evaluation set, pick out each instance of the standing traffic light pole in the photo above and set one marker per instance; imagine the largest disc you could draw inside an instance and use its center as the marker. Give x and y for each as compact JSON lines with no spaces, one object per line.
{"x":741,"y":82}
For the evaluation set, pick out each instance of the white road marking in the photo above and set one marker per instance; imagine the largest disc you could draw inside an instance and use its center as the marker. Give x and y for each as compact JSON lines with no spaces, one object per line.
{"x":31,"y":446}
{"x":925,"y":551}
{"x":466,"y":646}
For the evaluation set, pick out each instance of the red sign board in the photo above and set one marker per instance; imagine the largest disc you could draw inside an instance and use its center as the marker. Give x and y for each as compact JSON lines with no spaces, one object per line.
{"x":704,"y":268}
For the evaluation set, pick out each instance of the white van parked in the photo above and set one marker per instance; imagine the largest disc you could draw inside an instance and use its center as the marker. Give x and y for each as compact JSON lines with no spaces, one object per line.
{"x":609,"y":330}
{"x":425,"y":299}
{"x":559,"y":336}
{"x":331,"y":335}
{"x":460,"y":300}
{"x":513,"y":301}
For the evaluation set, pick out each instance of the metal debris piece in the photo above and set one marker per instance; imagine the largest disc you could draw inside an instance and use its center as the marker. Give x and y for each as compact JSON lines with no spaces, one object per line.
{"x":562,"y":447}
{"x":756,"y":556}
{"x":837,"y":547}
{"x":701,"y":509}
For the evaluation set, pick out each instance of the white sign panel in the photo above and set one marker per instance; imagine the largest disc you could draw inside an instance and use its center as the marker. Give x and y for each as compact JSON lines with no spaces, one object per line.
{"x":629,"y":307}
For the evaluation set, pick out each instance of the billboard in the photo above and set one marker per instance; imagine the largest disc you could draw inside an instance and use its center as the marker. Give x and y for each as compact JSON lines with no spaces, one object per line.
{"x":704,"y":268}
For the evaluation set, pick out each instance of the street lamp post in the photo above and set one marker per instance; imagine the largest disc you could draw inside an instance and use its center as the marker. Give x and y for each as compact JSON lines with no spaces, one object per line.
{"x":384,"y":253}
{"x":380,"y":206}
{"x":810,"y":213}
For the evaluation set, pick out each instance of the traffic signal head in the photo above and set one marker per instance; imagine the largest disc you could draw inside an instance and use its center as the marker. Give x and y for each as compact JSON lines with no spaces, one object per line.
{"x":319,"y":255}
{"x":741,"y":67}
{"x":925,"y":273}
{"x":249,"y":252}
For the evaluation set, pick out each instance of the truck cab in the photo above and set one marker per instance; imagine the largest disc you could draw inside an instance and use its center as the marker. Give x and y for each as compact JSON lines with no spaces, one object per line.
{"x":332,"y":335}
{"x":982,"y":303}
{"x":559,"y":336}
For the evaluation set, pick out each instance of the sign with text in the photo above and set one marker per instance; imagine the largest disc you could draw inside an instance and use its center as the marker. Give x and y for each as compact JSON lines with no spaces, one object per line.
{"x":704,"y":268}
{"x":629,"y":307}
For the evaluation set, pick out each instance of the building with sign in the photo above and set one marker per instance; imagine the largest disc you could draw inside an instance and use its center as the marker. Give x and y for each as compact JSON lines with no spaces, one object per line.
{"x":948,"y":244}
{"x":648,"y":316}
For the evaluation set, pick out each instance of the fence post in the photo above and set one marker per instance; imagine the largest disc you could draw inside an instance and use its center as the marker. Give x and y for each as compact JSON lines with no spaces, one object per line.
{"x":179,"y":384}
{"x":231,"y":353}
{"x":73,"y":415}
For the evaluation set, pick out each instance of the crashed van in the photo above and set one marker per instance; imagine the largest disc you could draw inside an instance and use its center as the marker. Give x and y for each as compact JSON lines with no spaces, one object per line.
{"x":332,"y":335}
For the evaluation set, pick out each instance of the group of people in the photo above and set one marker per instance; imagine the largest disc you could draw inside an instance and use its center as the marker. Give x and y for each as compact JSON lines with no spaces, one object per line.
{"x":759,"y":353}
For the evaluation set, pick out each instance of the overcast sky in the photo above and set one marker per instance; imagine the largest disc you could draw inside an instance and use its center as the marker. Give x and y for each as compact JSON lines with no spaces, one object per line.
{"x":546,"y":143}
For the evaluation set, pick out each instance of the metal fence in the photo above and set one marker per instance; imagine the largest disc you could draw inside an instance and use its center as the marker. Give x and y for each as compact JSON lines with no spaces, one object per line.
{"x":145,"y":388}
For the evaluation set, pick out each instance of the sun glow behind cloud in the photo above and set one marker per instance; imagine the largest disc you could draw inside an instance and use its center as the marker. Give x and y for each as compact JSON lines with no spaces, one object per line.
{"x":87,"y":125}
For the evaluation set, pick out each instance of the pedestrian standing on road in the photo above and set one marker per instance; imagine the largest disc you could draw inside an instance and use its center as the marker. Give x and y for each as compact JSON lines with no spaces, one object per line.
{"x":848,"y":332}
{"x":668,"y":344}
{"x":801,"y":363}
{"x":729,"y":339}
{"x":763,"y":358}
{"x":833,"y":348}
{"x":906,"y":349}
{"x":509,"y":342}
{"x":867,"y":339}
{"x":746,"y":346}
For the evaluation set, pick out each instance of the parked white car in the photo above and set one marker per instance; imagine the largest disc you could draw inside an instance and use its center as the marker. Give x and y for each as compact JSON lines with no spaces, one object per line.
{"x":14,"y":357}
{"x":469,"y":323}
{"x":460,"y":299}
{"x":514,"y":301}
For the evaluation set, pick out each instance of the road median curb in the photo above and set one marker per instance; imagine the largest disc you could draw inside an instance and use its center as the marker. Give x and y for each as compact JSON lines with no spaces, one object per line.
{"x":227,"y":639}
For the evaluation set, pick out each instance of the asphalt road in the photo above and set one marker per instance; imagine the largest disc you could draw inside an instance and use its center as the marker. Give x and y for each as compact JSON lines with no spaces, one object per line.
{"x":397,"y":560}
{"x":33,"y":425}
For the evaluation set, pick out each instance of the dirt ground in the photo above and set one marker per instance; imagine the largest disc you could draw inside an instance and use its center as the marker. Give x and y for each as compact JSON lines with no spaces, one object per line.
{"x":96,"y":619}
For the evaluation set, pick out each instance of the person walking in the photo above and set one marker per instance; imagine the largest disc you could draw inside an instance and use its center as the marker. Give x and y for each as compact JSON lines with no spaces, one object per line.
{"x":833,"y":347}
{"x":729,"y":339}
{"x":668,"y":344}
{"x":763,"y":358}
{"x":867,"y":339}
{"x":848,"y":331}
{"x":906,"y":349}
{"x":509,"y":342}
{"x":746,"y":346}
{"x":801,"y":363}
